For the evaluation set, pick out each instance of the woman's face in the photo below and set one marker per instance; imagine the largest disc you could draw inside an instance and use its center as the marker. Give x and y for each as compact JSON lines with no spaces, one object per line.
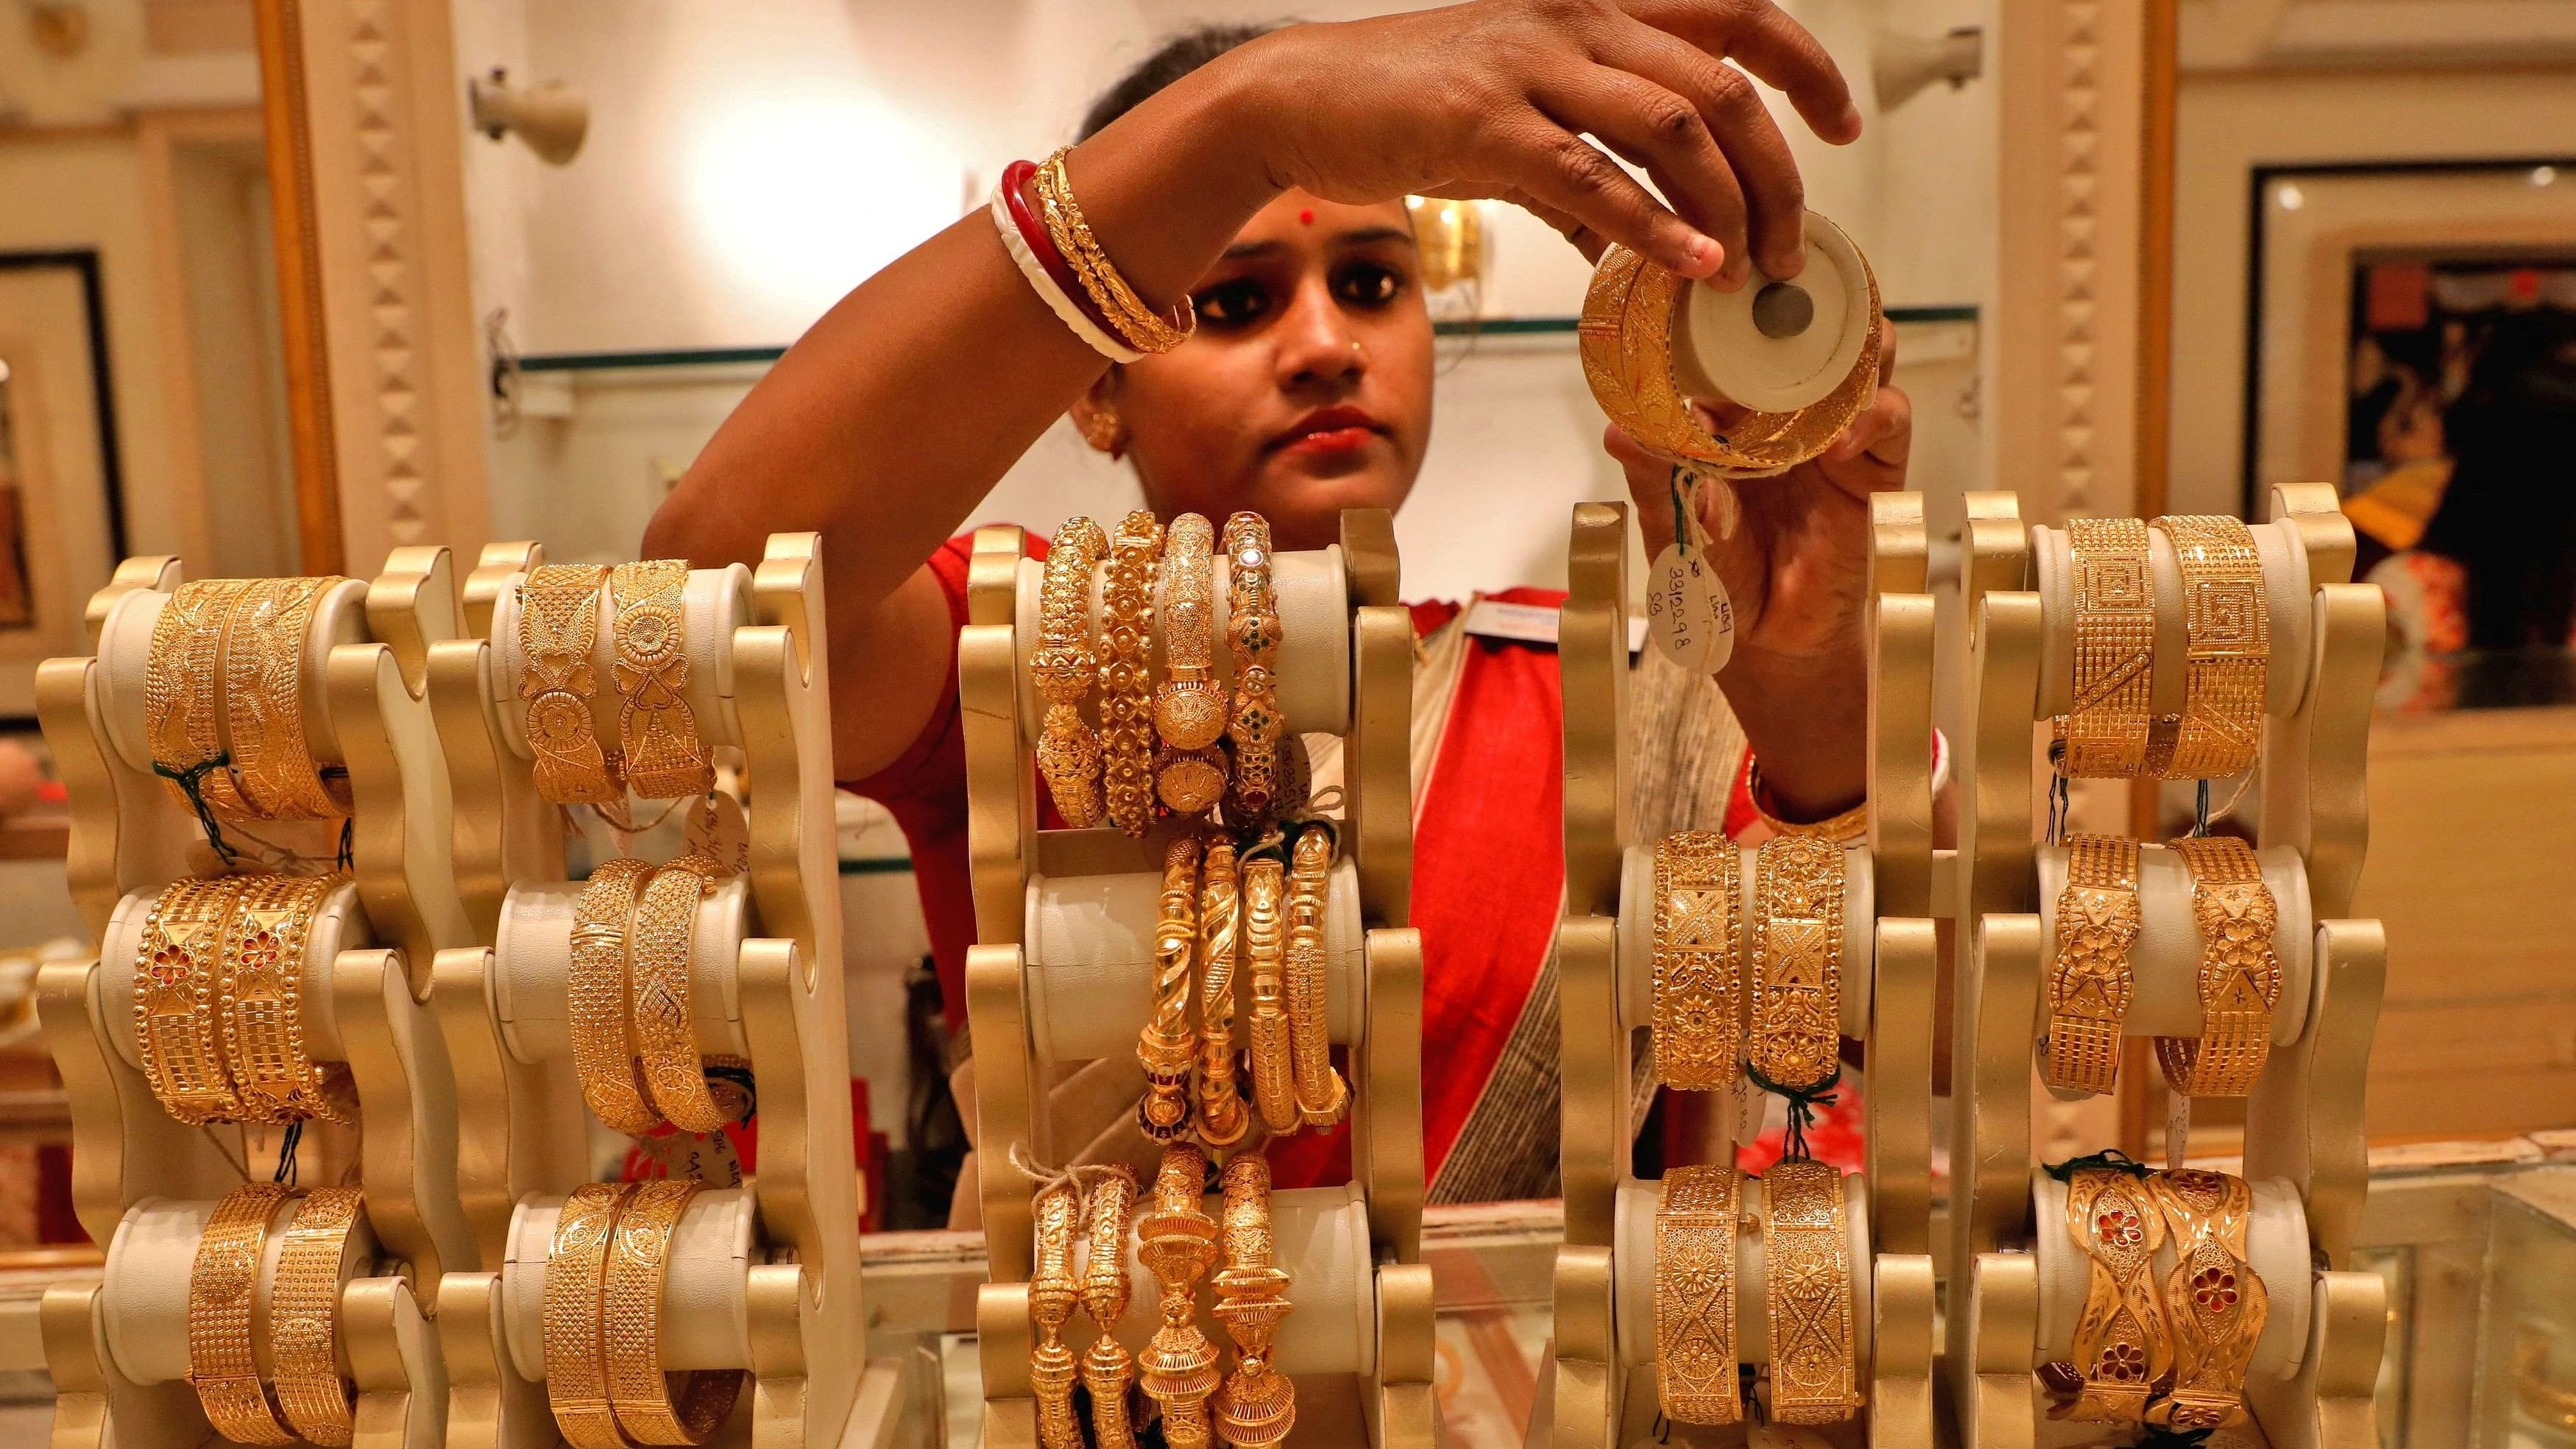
{"x":1307,"y":388}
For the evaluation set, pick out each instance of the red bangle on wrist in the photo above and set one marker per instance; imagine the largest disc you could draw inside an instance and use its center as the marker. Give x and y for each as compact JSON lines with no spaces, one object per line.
{"x":1033,"y":230}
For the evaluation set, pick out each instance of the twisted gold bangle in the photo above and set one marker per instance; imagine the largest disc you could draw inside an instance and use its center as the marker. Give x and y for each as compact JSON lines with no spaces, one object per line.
{"x":2089,"y":983}
{"x":261,"y":993}
{"x":2122,"y":1344}
{"x":1274,"y":1089}
{"x":1139,"y":325}
{"x":182,"y":705}
{"x":1797,"y":962}
{"x":177,"y":1011}
{"x":2227,"y":624}
{"x":1807,"y":1288}
{"x":1177,"y":1240}
{"x":1253,"y":634}
{"x":1063,"y":666}
{"x":1697,"y":1033}
{"x":1052,"y":1295}
{"x":1695,"y":1378}
{"x":1323,"y":1098}
{"x":558,"y":629}
{"x":666,"y":1037}
{"x":575,"y":1338}
{"x":303,"y":1315}
{"x":657,"y":732}
{"x":222,"y":1366}
{"x":1258,"y":1405}
{"x":2214,"y":1300}
{"x":2240,"y":978}
{"x":1189,"y":705}
{"x":604,"y":1056}
{"x":2115,"y":648}
{"x":1166,"y":1048}
{"x":653,"y":1407}
{"x":1222,"y":1117}
{"x":273,"y":763}
{"x":1106,"y":1369}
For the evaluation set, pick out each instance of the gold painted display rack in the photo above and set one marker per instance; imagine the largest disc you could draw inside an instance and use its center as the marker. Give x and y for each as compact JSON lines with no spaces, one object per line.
{"x":2304,"y":1119}
{"x":1388,"y":1356}
{"x":759,"y":653}
{"x":142,"y":1181}
{"x":1604,"y":1388}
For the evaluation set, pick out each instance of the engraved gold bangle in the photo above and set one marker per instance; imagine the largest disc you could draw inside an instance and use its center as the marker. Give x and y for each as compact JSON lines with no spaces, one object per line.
{"x":1106,"y":1369}
{"x":2122,"y":1344}
{"x":2214,"y":1300}
{"x":1167,"y":1047}
{"x":1222,"y":1116}
{"x":1126,"y":313}
{"x":1253,"y":635}
{"x":1064,"y":667}
{"x":177,"y":1010}
{"x":1697,"y":1031}
{"x":1126,"y":673}
{"x":666,"y":1037}
{"x":1052,"y":1296}
{"x":1807,"y":1289}
{"x":1695,"y":1378}
{"x":604,"y":1058}
{"x":1274,"y":1089}
{"x":653,"y":1407}
{"x":182,"y":695}
{"x":1796,"y":1007}
{"x":261,"y":993}
{"x":1258,"y":1405}
{"x":2115,"y":649}
{"x":1176,"y":1239}
{"x":2089,"y":982}
{"x":304,"y":1313}
{"x":657,"y":732}
{"x":1189,"y":705}
{"x":222,"y":1366}
{"x":1323,"y":1098}
{"x":272,"y":757}
{"x":576,"y":1270}
{"x":2240,"y":978}
{"x":558,"y":630}
{"x":2227,"y":624}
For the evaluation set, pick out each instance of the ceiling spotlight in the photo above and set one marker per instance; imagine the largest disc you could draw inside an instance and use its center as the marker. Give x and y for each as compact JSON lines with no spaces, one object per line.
{"x":550,"y":116}
{"x":1902,"y":66}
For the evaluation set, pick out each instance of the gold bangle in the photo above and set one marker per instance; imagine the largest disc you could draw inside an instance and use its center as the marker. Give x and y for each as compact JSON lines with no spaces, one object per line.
{"x":2122,"y":1344}
{"x":1177,"y":1240}
{"x":222,"y":1366}
{"x":2089,"y":982}
{"x":1695,"y":1378}
{"x":558,"y":629}
{"x":1126,"y":313}
{"x":2240,"y":978}
{"x":273,"y":764}
{"x":2115,"y":649}
{"x":1126,"y":673}
{"x":2227,"y":623}
{"x":1189,"y":705}
{"x":2214,"y":1300}
{"x":657,"y":732}
{"x":1167,"y":1047}
{"x":1698,"y":1031}
{"x":1258,"y":1405}
{"x":604,"y":1058}
{"x":1223,"y":1119}
{"x":1274,"y":1090}
{"x":177,"y":1011}
{"x":303,"y":1315}
{"x":1106,"y":1369}
{"x":261,"y":993}
{"x":1253,"y":635}
{"x":1063,"y":666}
{"x":1796,"y":1007}
{"x":666,"y":1036}
{"x":182,"y":698}
{"x":1323,"y":1098}
{"x":576,"y":1267}
{"x":1845,"y":825}
{"x":1052,"y":1295}
{"x":1807,"y":1289}
{"x":653,"y":1407}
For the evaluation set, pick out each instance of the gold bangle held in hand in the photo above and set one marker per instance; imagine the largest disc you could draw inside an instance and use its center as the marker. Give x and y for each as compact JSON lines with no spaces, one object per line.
{"x":2115,"y":648}
{"x":558,"y":630}
{"x":575,"y":1344}
{"x":2240,"y":978}
{"x":1258,"y":1405}
{"x":653,"y":1407}
{"x":303,"y":1315}
{"x":1697,"y":1032}
{"x":1064,"y":666}
{"x":1106,"y":1369}
{"x":177,"y":1008}
{"x":222,"y":1366}
{"x":1253,"y":634}
{"x":2089,"y":981}
{"x":604,"y":1056}
{"x":262,"y":995}
{"x":666,"y":1036}
{"x":1695,"y":1378}
{"x":1323,"y":1098}
{"x":1807,"y":1288}
{"x":1796,"y":1007}
{"x":1274,"y":1089}
{"x":2227,"y":627}
{"x":1176,"y":1239}
{"x":2121,"y":1345}
{"x":2214,"y":1301}
{"x":1167,"y":1047}
{"x":1052,"y":1295}
{"x":1126,"y":673}
{"x":1223,"y":1118}
{"x":657,"y":731}
{"x":182,"y":695}
{"x":273,"y":764}
{"x":1138,"y":325}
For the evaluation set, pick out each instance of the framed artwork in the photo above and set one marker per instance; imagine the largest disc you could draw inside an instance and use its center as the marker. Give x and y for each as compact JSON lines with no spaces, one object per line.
{"x":62,"y":525}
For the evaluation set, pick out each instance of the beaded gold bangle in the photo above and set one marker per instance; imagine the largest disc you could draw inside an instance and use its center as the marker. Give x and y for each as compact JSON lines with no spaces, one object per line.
{"x":182,"y":700}
{"x":1063,"y":666}
{"x":2089,"y":982}
{"x":653,"y":1407}
{"x":1807,"y":1288}
{"x":1697,"y":1032}
{"x":1258,"y":1405}
{"x":558,"y":629}
{"x":2240,"y":978}
{"x":303,"y":1314}
{"x":604,"y":1056}
{"x":2214,"y":1301}
{"x":1796,"y":1006}
{"x":1126,"y":673}
{"x":1323,"y":1098}
{"x":261,"y":994}
{"x":2122,"y":1344}
{"x":657,"y":732}
{"x":2115,"y":648}
{"x":576,"y":1268}
{"x":1189,"y":705}
{"x":1167,"y":1047}
{"x":1253,"y":635}
{"x":1052,"y":1295}
{"x":666,"y":1036}
{"x":1695,"y":1378}
{"x":1223,"y":1119}
{"x":1106,"y":1369}
{"x":222,"y":1366}
{"x":1137,"y":324}
{"x":177,"y":1010}
{"x":2227,"y":627}
{"x":1176,"y":1239}
{"x":1274,"y":1090}
{"x":272,"y":757}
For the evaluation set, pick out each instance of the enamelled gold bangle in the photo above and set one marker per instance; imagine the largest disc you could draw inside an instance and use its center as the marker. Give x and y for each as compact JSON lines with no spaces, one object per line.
{"x":177,"y":1010}
{"x":1126,"y":313}
{"x":1695,"y":1378}
{"x":1796,"y":1007}
{"x":2089,"y":982}
{"x":1223,"y":1118}
{"x":2115,"y":648}
{"x":273,"y":761}
{"x":1253,"y":634}
{"x":1126,"y":675}
{"x":1189,"y":705}
{"x":1274,"y":1087}
{"x":558,"y":630}
{"x":1323,"y":1098}
{"x":2227,"y":623}
{"x":1697,"y":1032}
{"x":1106,"y":1369}
{"x":653,"y":1407}
{"x":1258,"y":1405}
{"x":261,"y":992}
{"x":666,"y":1037}
{"x":304,"y":1311}
{"x":1177,"y":1240}
{"x":1063,"y":666}
{"x":221,"y":1282}
{"x":603,"y":1045}
{"x":1052,"y":1295}
{"x":657,"y":732}
{"x":2240,"y":978}
{"x":2214,"y":1301}
{"x":576,"y":1269}
{"x":2122,"y":1344}
{"x":1807,"y":1288}
{"x":1167,"y":1047}
{"x":182,"y":700}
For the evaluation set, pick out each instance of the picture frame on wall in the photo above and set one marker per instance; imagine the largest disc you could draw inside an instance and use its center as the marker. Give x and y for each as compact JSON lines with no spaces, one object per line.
{"x":62,"y":517}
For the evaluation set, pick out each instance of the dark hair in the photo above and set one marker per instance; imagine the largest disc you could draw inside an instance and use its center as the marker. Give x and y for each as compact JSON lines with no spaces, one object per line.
{"x":2509,"y":514}
{"x":1173,"y":59}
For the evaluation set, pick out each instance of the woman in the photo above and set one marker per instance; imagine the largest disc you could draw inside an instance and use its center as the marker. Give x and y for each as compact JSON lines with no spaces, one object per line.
{"x":1262,"y":178}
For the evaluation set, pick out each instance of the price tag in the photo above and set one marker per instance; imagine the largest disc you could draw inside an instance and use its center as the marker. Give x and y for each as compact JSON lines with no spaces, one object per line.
{"x":717,"y":830}
{"x":1689,"y":618}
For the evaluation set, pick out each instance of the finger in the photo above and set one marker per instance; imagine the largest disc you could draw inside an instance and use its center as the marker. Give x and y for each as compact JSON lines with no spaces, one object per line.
{"x":1650,"y":487}
{"x":1871,"y":455}
{"x":1587,"y":241}
{"x":1730,"y":106}
{"x":1764,"y":40}
{"x":1662,"y":131}
{"x":1886,"y":351}
{"x":1563,"y":172}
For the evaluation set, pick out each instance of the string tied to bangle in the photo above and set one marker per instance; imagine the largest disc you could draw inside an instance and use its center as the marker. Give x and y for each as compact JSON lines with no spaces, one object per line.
{"x":1802,"y":1103}
{"x":2109,"y":1159}
{"x":192,"y":784}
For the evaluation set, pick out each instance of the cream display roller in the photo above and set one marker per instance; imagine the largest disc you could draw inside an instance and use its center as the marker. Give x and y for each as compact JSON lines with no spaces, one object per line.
{"x":2164,"y":962}
{"x":716,"y":602}
{"x":339,"y":924}
{"x":2276,"y":1243}
{"x":532,"y":970}
{"x":1638,"y":1200}
{"x":1637,"y":934}
{"x":2286,"y":590}
{"x":705,"y":1323}
{"x":125,"y":653}
{"x":143,"y":1289}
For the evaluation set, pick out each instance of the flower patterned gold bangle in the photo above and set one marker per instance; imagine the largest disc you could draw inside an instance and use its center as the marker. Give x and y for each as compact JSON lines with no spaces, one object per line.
{"x":2089,"y":982}
{"x":1258,"y":1405}
{"x":1223,"y":1118}
{"x":2121,"y":1345}
{"x":1807,"y":1288}
{"x":182,"y":700}
{"x":666,"y":1036}
{"x":2214,"y":1301}
{"x":604,"y":1058}
{"x":2115,"y":647}
{"x":1274,"y":1089}
{"x":177,"y":1011}
{"x":1063,"y":666}
{"x":261,"y":994}
{"x":273,"y":764}
{"x":1189,"y":705}
{"x":222,"y":1366}
{"x":657,"y":732}
{"x":1323,"y":1098}
{"x":1253,"y":634}
{"x":653,"y":1407}
{"x":2240,"y":978}
{"x":1052,"y":1296}
{"x":2227,"y":625}
{"x":1177,"y":1240}
{"x":558,"y":629}
{"x":1106,"y":1369}
{"x":304,"y":1312}
{"x":1126,"y":673}
{"x":1126,"y":313}
{"x":1796,"y":1007}
{"x":576,"y":1269}
{"x":1695,"y":1378}
{"x":1697,"y":1031}
{"x":1167,"y":1047}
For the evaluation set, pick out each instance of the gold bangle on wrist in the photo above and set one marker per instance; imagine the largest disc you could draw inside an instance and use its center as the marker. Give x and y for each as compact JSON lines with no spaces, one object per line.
{"x":2115,"y":649}
{"x":1697,"y":1032}
{"x":182,"y":697}
{"x":177,"y":1010}
{"x":2214,"y":1301}
{"x":604,"y":1056}
{"x":1106,"y":1369}
{"x":654,"y":1407}
{"x":1796,"y":1007}
{"x":657,"y":732}
{"x":273,"y":764}
{"x":1189,"y":705}
{"x":1223,"y":1118}
{"x":1323,"y":1098}
{"x":1167,"y":1047}
{"x":2240,"y":978}
{"x":222,"y":1366}
{"x":2122,"y":1344}
{"x":576,"y":1269}
{"x":1274,"y":1088}
{"x":1258,"y":1405}
{"x":1177,"y":1241}
{"x":1137,"y":324}
{"x":303,"y":1315}
{"x":1126,"y":673}
{"x":666,"y":1036}
{"x":1253,"y":635}
{"x":2227,"y":624}
{"x":1052,"y":1295}
{"x":558,"y":630}
{"x":261,"y":994}
{"x":1843,"y":825}
{"x":2089,"y":983}
{"x":1807,"y":1290}
{"x":1063,"y":666}
{"x":1695,"y":1378}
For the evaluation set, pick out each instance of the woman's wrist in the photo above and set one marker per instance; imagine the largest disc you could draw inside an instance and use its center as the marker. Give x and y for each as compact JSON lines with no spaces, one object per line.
{"x":1807,"y":722}
{"x":1168,"y":185}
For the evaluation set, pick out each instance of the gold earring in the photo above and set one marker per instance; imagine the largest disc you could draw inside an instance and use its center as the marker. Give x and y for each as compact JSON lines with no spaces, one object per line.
{"x":1100,"y":429}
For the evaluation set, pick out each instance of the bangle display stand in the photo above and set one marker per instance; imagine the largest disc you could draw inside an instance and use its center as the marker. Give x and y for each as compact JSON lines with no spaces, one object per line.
{"x":142,"y":1182}
{"x":1062,"y":975}
{"x":2013,"y":1268}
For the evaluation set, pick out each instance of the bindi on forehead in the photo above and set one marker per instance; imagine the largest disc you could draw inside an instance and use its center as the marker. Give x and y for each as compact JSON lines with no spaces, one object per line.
{"x":1305,"y":216}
